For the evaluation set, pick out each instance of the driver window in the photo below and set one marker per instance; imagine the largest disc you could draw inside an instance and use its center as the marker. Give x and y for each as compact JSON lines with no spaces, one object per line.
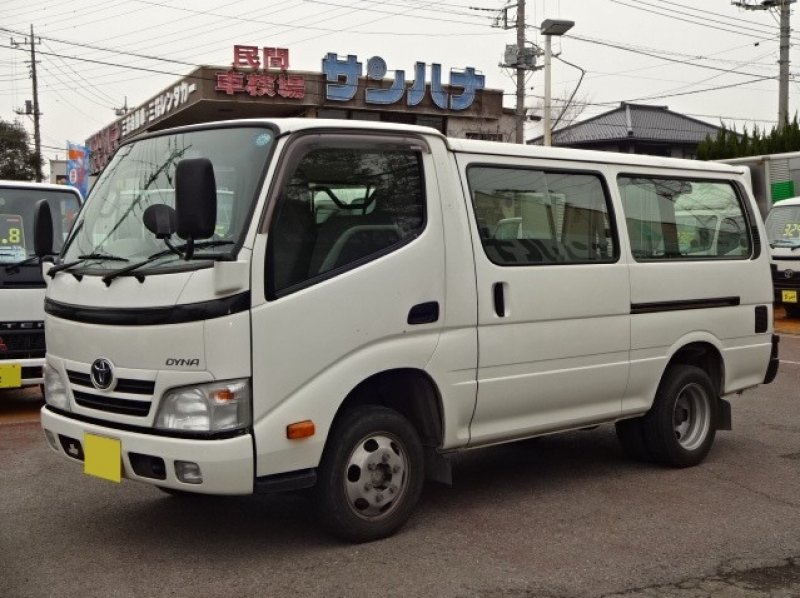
{"x":341,"y":207}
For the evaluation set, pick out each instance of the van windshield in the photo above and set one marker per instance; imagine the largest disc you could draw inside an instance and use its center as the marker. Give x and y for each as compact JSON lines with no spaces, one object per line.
{"x":111,"y":229}
{"x":17,"y":206}
{"x":783,"y":226}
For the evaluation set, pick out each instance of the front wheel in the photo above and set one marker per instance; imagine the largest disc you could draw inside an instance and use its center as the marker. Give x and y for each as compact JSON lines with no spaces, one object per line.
{"x":371,"y":474}
{"x":680,"y":427}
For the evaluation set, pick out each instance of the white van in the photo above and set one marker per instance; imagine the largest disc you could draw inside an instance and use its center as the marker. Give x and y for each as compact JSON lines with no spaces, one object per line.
{"x":783,"y":234}
{"x":371,"y":298}
{"x":21,"y":284}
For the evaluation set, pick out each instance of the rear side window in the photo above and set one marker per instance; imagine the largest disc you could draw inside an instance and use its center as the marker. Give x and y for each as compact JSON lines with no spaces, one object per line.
{"x":535,"y":217}
{"x":673,"y":219}
{"x":342,"y":205}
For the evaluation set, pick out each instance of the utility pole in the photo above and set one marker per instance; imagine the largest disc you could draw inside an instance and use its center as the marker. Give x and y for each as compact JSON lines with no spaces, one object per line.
{"x":520,"y":137}
{"x":37,"y":137}
{"x":783,"y":61}
{"x":521,"y":59}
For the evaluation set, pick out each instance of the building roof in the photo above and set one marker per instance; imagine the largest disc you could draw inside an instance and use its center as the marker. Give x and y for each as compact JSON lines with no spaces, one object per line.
{"x":637,"y":122}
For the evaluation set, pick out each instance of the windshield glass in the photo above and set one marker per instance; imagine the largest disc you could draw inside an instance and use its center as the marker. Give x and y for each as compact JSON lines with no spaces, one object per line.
{"x":142,"y":174}
{"x":16,"y":219}
{"x":783,"y":225}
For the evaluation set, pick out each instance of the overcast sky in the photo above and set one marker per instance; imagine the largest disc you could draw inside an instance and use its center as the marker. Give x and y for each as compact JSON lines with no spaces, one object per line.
{"x":711,"y":60}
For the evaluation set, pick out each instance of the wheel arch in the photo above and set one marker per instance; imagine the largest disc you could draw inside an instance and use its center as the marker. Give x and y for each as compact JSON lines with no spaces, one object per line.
{"x":704,"y":355}
{"x":409,"y":391}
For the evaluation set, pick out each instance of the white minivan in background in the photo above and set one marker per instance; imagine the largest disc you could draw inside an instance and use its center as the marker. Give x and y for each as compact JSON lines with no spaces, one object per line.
{"x":269,"y":305}
{"x":22,"y":287}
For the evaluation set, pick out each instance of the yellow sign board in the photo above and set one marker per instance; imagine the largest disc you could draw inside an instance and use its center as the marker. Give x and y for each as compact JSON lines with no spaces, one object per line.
{"x":102,"y":457}
{"x":789,"y":296}
{"x":10,"y":375}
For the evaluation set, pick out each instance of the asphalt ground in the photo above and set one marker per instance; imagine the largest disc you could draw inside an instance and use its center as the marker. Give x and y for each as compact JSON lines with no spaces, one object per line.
{"x":558,"y":517}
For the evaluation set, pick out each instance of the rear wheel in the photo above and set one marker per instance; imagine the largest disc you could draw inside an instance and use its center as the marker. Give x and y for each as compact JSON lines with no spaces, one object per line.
{"x":371,"y":474}
{"x":680,"y":427}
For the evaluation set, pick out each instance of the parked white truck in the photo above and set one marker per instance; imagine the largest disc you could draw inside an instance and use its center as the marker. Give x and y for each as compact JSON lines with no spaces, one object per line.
{"x":258,"y":306}
{"x":21,"y":284}
{"x":776,"y":182}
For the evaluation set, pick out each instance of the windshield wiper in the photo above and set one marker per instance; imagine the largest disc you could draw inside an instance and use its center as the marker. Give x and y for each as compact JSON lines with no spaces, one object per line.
{"x":174,"y":249}
{"x":14,"y":268}
{"x":82,"y":258}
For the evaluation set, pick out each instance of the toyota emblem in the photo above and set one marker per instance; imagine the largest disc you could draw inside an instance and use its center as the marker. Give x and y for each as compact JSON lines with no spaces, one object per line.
{"x":102,"y":374}
{"x":788,"y":273}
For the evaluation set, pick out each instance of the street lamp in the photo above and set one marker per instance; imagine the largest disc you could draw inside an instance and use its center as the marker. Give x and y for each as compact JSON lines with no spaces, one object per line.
{"x":549,"y":28}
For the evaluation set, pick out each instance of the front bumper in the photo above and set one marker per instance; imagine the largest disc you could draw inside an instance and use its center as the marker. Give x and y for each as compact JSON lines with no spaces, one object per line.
{"x":227,"y":465}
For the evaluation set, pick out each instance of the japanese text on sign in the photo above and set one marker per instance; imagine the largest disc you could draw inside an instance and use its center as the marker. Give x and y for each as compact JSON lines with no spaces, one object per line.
{"x":343,"y":76}
{"x":259,"y":83}
{"x":158,"y":107}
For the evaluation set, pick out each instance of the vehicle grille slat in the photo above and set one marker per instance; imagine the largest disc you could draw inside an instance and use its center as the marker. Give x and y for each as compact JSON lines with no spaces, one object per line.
{"x":112,"y":404}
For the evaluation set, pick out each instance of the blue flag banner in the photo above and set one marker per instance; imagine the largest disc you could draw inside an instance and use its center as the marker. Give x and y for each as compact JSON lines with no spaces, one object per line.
{"x":78,"y":167}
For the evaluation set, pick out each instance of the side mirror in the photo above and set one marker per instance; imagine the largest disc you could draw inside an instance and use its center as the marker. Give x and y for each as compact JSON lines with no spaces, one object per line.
{"x":195,"y":199}
{"x":42,"y":229}
{"x":161,"y":220}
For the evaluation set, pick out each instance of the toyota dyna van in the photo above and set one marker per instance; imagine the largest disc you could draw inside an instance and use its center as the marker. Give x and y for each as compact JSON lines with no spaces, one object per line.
{"x":21,"y":284}
{"x":340,"y":306}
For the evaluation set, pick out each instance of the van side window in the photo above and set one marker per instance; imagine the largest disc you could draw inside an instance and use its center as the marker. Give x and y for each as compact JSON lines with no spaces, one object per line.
{"x":528,"y":216}
{"x":341,"y":207}
{"x":670,"y":219}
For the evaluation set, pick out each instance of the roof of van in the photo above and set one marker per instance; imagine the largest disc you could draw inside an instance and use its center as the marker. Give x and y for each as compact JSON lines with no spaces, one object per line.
{"x":289,"y":125}
{"x":790,"y":201}
{"x":6,"y":184}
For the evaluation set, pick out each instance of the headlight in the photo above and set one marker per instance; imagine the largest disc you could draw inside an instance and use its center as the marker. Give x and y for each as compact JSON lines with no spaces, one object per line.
{"x":55,"y":391}
{"x":206,"y":408}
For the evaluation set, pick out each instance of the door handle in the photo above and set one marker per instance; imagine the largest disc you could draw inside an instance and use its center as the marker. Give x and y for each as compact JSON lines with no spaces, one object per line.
{"x":424,"y":313}
{"x":499,"y":299}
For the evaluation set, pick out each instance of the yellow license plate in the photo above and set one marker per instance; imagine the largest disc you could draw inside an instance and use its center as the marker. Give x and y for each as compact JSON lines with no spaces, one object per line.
{"x":10,"y":375}
{"x":789,"y":296}
{"x":102,"y":457}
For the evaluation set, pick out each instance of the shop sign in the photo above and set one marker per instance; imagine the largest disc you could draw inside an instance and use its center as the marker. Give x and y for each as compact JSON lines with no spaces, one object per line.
{"x":265,"y":77}
{"x":159,"y":106}
{"x":102,"y":146}
{"x":343,"y":83}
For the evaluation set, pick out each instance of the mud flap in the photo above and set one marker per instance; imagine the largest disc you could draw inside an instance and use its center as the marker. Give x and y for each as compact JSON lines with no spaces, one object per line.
{"x":724,"y":418}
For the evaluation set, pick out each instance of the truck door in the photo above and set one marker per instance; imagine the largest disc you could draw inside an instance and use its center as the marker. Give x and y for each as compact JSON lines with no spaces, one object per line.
{"x":553,"y":297}
{"x":347,"y":281}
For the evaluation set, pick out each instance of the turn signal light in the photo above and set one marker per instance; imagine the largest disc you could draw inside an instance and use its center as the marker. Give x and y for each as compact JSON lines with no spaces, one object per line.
{"x":299,"y":430}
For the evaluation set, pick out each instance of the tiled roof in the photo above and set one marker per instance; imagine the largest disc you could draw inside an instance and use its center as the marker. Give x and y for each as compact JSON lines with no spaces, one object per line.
{"x":635,"y":122}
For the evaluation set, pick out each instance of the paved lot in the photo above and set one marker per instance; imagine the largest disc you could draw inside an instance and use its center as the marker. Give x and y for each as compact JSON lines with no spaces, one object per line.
{"x":557,"y":517}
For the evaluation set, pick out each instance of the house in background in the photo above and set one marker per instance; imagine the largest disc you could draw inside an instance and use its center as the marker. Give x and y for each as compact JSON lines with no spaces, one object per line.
{"x":636,"y":129}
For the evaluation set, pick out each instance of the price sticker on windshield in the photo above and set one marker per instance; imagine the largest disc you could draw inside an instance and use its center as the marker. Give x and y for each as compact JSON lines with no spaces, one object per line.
{"x":12,"y":238}
{"x":791,"y":230}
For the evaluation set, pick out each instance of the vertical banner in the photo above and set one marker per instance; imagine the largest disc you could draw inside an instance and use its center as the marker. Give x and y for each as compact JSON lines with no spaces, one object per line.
{"x":78,"y":167}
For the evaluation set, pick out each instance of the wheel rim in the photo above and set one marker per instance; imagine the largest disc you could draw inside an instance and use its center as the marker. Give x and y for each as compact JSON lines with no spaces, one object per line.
{"x":691,"y":416}
{"x":375,"y":476}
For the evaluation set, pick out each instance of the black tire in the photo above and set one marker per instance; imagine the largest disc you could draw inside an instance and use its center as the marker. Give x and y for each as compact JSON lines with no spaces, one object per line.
{"x":792,"y":310}
{"x":631,"y":437}
{"x":681,"y":425}
{"x":359,"y":506}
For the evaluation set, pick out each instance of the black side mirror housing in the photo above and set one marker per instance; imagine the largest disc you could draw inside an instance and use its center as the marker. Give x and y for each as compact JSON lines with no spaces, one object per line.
{"x":161,"y":220}
{"x":42,"y":229}
{"x":195,"y":199}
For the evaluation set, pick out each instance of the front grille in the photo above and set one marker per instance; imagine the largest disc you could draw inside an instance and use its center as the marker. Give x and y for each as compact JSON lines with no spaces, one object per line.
{"x":128,"y":385}
{"x":112,"y":404}
{"x":21,"y":340}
